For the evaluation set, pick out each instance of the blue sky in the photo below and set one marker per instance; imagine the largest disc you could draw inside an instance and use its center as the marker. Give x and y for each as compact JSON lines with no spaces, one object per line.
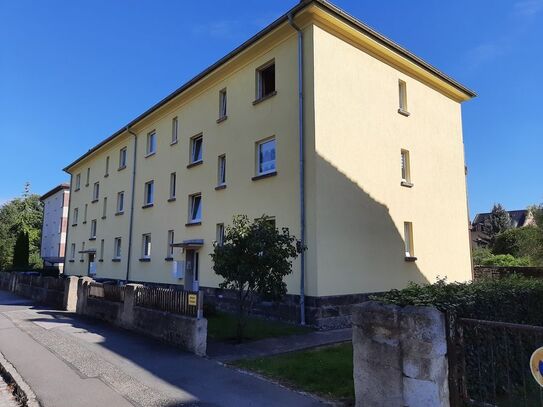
{"x":73,"y":72}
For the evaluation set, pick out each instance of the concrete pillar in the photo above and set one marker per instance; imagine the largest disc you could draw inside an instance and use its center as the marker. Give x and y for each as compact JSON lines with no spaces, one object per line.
{"x":400,"y":356}
{"x":82,"y":293}
{"x":69,"y":302}
{"x":127,"y":315}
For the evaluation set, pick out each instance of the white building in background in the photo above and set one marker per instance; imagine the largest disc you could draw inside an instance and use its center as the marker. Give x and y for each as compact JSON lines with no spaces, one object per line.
{"x":55,"y":222}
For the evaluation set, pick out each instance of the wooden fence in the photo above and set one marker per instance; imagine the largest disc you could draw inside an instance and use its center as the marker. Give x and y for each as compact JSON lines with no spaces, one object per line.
{"x":166,"y":299}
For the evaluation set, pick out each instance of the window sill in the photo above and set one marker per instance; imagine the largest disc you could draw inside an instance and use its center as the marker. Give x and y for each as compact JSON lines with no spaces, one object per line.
{"x":172,"y":199}
{"x":219,"y":187}
{"x":116,"y":260}
{"x":82,"y":261}
{"x":168,"y":259}
{"x":147,"y":206}
{"x":101,"y":261}
{"x":92,"y":238}
{"x":106,"y":175}
{"x":222,"y":119}
{"x":84,"y":222}
{"x":173,"y":143}
{"x":264,"y":98}
{"x":77,"y":189}
{"x":407,"y":184}
{"x":150,"y":154}
{"x":74,"y":224}
{"x":119,"y":213}
{"x":410,"y":259}
{"x":404,"y":112}
{"x":103,"y":217}
{"x":262,"y":176}
{"x":193,"y":224}
{"x":87,"y":185}
{"x":145,"y":259}
{"x":71,"y":261}
{"x":121,"y":168}
{"x":195,"y":164}
{"x":94,"y":201}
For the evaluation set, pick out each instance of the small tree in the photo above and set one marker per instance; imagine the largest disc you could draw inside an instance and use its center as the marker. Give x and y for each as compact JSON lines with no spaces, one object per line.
{"x":498,"y":221}
{"x":253,"y":260}
{"x":21,"y":251}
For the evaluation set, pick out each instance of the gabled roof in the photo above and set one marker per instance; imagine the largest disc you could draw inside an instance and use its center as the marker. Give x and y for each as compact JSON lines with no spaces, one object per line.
{"x":518,"y":217}
{"x":54,"y":191}
{"x":324,"y":4}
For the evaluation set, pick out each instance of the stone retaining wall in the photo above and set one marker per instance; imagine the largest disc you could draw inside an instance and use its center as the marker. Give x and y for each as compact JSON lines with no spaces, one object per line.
{"x":498,"y":272}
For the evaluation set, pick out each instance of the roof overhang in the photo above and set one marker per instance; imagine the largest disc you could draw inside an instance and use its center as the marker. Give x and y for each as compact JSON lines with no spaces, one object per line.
{"x":189,"y":244}
{"x":54,"y":191}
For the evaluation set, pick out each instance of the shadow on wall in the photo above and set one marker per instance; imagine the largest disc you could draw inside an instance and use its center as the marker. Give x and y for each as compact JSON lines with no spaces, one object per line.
{"x":362,"y":250}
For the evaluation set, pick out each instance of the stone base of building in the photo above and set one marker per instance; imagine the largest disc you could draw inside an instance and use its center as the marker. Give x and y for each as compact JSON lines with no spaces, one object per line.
{"x":331,"y":312}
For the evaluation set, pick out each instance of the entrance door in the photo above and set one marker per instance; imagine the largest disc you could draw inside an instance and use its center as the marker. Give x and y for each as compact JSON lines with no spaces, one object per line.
{"x":192,"y":270}
{"x":92,"y":264}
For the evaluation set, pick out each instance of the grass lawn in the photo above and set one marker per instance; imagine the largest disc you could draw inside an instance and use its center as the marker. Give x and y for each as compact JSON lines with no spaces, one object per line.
{"x":324,"y":371}
{"x":222,"y":327}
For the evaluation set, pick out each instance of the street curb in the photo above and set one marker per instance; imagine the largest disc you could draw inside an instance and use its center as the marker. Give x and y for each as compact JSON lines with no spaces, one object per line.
{"x":22,"y":391}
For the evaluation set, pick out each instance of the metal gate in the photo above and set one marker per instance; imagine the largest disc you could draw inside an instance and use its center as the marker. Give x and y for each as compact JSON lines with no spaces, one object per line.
{"x":489,"y":363}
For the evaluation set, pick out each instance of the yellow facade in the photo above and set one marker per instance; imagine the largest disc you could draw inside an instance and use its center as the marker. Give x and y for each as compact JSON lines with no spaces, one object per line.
{"x":356,"y":207}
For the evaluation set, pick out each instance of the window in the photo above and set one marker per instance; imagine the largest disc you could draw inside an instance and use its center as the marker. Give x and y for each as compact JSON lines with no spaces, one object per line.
{"x":266,"y":157}
{"x":107,"y":167}
{"x":85,"y":213}
{"x":265,"y":80}
{"x":77,"y":182}
{"x":82,"y":250}
{"x":172,"y":185}
{"x":93,"y":229}
{"x":169,"y":249}
{"x":175,"y":129}
{"x":120,"y":202}
{"x":270,"y":220}
{"x":402,"y":90}
{"x":96,"y":192}
{"x":221,"y":173}
{"x":408,"y":239}
{"x":149,"y":193}
{"x":104,"y":208}
{"x":76,"y":215}
{"x":101,"y":250}
{"x":72,"y":252}
{"x":151,"y":143}
{"x":220,"y":234}
{"x":196,"y":144}
{"x":406,"y":172}
{"x":222,"y":104}
{"x":117,"y":248}
{"x":146,"y":246}
{"x":195,"y":208}
{"x":122,"y":158}
{"x":88,"y":177}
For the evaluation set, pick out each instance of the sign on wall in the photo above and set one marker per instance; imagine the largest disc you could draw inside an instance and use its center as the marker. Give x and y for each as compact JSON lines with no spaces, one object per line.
{"x":193,"y":299}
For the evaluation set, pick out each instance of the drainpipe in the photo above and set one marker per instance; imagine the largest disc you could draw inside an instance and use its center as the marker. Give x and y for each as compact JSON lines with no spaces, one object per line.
{"x":302,"y":162}
{"x":131,"y":225}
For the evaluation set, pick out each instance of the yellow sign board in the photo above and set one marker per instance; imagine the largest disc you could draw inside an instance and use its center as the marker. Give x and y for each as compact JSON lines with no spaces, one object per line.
{"x":536,"y":366}
{"x":193,"y":299}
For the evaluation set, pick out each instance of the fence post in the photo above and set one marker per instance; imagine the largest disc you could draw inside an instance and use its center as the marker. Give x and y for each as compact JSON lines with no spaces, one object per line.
{"x":69,"y":302}
{"x":82,"y":294}
{"x":127,"y":315}
{"x":200,"y":311}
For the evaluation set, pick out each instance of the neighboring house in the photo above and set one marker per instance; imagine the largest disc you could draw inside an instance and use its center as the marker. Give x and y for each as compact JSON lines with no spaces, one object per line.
{"x":55,"y":222}
{"x":149,"y":202}
{"x":519,"y":219}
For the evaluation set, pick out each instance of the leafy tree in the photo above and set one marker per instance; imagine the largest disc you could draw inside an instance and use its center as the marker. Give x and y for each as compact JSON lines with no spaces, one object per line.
{"x":21,"y":252}
{"x":21,"y":215}
{"x":253,"y":260}
{"x":537,"y":212}
{"x":498,"y":221}
{"x":518,"y":242}
{"x":484,"y":257}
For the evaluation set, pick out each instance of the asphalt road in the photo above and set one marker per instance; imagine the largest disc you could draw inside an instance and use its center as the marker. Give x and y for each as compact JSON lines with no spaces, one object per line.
{"x":72,"y":361}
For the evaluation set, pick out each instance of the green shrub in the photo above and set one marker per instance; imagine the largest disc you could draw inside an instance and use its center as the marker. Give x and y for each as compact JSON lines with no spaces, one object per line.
{"x":484,"y":257}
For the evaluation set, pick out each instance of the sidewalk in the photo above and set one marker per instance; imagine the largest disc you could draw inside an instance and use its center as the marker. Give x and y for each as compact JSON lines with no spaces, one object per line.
{"x":225,"y":352}
{"x":70,"y":361}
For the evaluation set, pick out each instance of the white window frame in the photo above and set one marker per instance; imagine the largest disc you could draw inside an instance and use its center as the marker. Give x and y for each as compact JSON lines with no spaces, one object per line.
{"x":88,"y":177}
{"x":169,"y":249}
{"x":259,"y":144}
{"x":82,"y":249}
{"x":107,"y":167}
{"x":219,"y":234}
{"x":151,"y":143}
{"x":102,"y":244}
{"x":223,"y":104}
{"x":259,"y":80}
{"x":193,"y":142}
{"x":93,"y":228}
{"x":117,"y":247}
{"x":149,"y":193}
{"x":173,"y":185}
{"x":104,"y":208}
{"x":120,"y":202}
{"x":192,"y":200}
{"x":122,"y":157}
{"x":146,"y":246}
{"x":221,"y":170}
{"x":402,"y":95}
{"x":96,"y":191}
{"x":408,"y":239}
{"x":175,"y":130}
{"x":72,"y":252}
{"x":405,"y":166}
{"x":76,"y":216}
{"x":78,"y":182}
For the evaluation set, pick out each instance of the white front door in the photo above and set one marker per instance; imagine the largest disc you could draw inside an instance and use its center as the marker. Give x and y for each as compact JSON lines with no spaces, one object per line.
{"x":192,"y":267}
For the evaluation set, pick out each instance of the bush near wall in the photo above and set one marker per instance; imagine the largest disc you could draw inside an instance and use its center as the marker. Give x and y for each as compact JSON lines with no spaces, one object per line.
{"x":513,"y":298}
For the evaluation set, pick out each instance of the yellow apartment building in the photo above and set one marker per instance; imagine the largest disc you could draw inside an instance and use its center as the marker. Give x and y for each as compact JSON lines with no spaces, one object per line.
{"x":341,"y":135}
